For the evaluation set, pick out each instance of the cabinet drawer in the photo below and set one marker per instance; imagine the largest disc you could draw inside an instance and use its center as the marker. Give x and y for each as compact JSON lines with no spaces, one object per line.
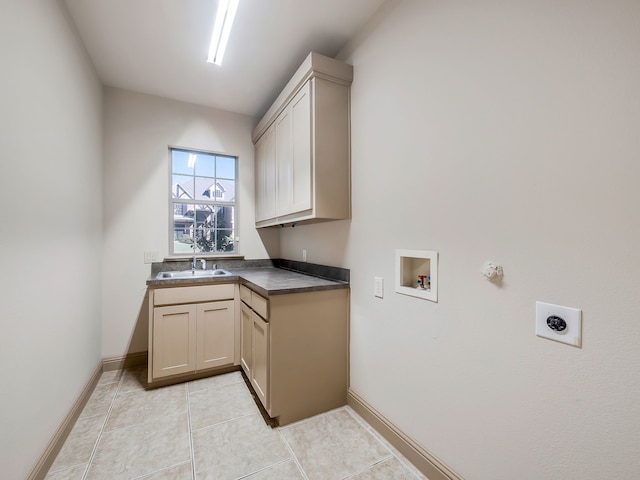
{"x":245,"y":295}
{"x":200,"y":293}
{"x":258,"y":303}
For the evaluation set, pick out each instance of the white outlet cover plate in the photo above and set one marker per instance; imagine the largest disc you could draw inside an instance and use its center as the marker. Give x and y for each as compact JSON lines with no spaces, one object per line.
{"x":572,"y":335}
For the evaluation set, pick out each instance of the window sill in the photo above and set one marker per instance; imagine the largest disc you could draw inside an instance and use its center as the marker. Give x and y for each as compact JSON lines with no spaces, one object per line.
{"x":218,"y":256}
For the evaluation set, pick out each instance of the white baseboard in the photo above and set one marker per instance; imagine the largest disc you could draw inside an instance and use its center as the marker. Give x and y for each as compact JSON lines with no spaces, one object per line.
{"x":45,"y":461}
{"x":423,"y":460}
{"x":129,"y":360}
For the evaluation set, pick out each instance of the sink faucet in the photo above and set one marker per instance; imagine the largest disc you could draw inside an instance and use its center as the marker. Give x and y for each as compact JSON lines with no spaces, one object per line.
{"x":194,"y":264}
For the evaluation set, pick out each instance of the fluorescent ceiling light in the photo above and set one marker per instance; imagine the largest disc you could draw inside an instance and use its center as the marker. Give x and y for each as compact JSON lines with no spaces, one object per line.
{"x":191,"y":162}
{"x":222,"y":30}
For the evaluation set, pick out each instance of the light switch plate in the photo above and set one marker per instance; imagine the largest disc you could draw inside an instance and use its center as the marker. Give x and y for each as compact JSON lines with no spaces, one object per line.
{"x":151,"y":256}
{"x":378,"y":287}
{"x":571,"y":335}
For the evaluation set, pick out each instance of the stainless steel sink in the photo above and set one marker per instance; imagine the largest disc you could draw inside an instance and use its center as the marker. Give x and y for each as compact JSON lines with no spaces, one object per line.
{"x":193,"y":274}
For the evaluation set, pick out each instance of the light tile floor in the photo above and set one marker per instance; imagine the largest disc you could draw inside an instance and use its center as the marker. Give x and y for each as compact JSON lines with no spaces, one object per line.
{"x":212,"y":429}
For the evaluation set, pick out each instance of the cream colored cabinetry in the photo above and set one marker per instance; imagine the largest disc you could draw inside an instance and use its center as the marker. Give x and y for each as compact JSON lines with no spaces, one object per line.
{"x":303,"y":150}
{"x":295,"y":351}
{"x":215,"y":331}
{"x":255,"y":351}
{"x":255,"y":342}
{"x":265,"y":176}
{"x":246,"y":347}
{"x":293,"y":155}
{"x":189,"y":334}
{"x":174,"y":340}
{"x":260,"y":357}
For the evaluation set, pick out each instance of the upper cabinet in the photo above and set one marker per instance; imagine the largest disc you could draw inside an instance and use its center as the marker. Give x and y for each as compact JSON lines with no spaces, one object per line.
{"x":302,"y":146}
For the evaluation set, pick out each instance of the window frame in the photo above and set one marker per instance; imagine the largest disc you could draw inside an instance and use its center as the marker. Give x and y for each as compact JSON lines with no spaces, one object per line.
{"x":215,"y":202}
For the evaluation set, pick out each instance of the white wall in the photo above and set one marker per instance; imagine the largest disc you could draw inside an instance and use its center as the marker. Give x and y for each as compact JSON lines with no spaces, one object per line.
{"x":138,"y":132}
{"x":504,"y":131}
{"x":50,"y":227}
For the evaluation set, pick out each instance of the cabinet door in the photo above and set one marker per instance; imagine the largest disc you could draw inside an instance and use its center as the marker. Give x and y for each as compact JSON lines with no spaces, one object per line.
{"x":293,"y":155}
{"x":284,"y":162}
{"x":301,"y":148}
{"x":216,"y":334}
{"x":246,"y":329}
{"x":266,"y":176}
{"x":260,"y":350}
{"x":174,"y":340}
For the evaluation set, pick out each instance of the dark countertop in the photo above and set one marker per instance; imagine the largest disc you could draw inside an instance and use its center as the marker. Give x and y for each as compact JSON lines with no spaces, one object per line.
{"x":278,"y":281}
{"x":266,"y":281}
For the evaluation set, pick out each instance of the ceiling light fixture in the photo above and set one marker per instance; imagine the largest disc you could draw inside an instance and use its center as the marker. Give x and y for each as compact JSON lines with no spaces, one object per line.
{"x":222,"y":30}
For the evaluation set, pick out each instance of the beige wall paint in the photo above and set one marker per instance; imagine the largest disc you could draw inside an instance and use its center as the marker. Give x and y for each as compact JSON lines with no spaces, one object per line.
{"x":50,"y":227}
{"x":138,"y":132}
{"x":504,"y":131}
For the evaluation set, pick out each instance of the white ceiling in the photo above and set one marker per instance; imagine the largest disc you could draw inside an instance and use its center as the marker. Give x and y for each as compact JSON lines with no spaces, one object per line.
{"x":160,"y":47}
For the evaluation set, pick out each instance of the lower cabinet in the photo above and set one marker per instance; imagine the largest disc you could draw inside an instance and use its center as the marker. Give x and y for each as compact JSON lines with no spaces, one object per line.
{"x":174,"y":340}
{"x":215,"y":329}
{"x":260,"y":355}
{"x":191,"y":337}
{"x":294,"y":347}
{"x":246,"y":347}
{"x":254,"y":353}
{"x":294,"y":350}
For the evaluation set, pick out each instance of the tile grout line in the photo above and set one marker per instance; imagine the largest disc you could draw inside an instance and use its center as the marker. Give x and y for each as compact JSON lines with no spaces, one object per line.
{"x":389,"y":456}
{"x":106,"y":418}
{"x":381,"y":441}
{"x":385,"y":443}
{"x":391,"y":452}
{"x":226,"y":421}
{"x":192,"y":450}
{"x":213,"y":387}
{"x":147,"y":475}
{"x":370,"y":430}
{"x":65,"y":468}
{"x":371,"y":433}
{"x":293,"y":455}
{"x":303,"y":421}
{"x":190,"y":461}
{"x":369,"y":467}
{"x":68,"y":467}
{"x":268,"y":467}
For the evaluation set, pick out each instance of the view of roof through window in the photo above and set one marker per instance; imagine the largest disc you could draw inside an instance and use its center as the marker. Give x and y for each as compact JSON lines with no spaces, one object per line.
{"x":203,"y":192}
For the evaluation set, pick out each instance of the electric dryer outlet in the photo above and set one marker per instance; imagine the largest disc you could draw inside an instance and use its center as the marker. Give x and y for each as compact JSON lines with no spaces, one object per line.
{"x":562,"y":324}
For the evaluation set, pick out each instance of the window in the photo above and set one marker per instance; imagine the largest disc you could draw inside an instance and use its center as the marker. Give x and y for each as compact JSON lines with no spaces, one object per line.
{"x":203,"y":202}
